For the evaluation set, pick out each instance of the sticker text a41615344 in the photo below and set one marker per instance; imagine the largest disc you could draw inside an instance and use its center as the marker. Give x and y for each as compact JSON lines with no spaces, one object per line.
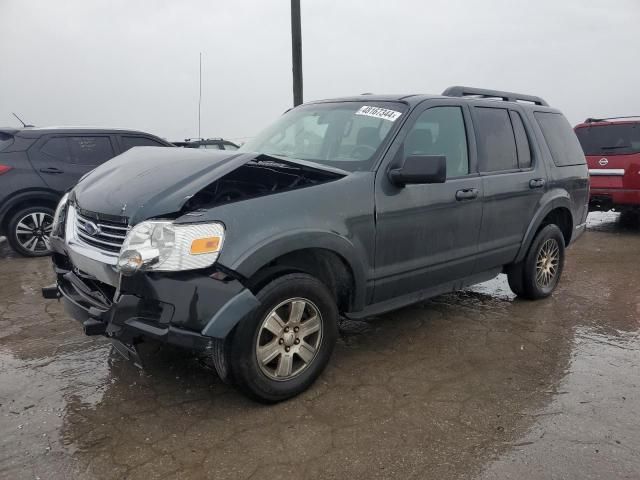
{"x":377,"y":112}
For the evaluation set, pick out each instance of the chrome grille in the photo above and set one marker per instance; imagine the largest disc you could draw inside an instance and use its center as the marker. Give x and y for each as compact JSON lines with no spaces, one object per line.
{"x":104,"y":235}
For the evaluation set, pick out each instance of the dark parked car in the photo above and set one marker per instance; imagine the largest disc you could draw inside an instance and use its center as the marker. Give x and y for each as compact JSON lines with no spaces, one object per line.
{"x":349,"y":207}
{"x":612,"y":147}
{"x":213,"y":143}
{"x":37,"y":165}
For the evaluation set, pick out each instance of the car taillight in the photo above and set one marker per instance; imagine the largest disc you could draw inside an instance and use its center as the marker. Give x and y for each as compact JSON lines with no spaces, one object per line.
{"x":4,"y":169}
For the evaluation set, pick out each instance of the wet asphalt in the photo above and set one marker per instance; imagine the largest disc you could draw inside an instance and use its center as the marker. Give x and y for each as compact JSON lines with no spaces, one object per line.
{"x":473,"y":385}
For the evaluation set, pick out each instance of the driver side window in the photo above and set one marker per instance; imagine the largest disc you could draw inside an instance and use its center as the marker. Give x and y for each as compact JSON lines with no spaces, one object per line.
{"x":441,"y":131}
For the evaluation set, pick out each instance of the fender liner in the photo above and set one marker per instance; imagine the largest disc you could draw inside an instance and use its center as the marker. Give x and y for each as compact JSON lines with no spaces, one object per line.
{"x":551,"y":200}
{"x":252,"y":261}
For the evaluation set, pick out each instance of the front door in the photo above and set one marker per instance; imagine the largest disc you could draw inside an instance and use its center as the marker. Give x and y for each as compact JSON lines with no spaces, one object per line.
{"x":427,"y":235}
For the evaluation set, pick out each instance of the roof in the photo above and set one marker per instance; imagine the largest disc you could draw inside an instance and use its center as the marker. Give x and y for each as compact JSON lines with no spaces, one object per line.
{"x":599,"y":122}
{"x":466,"y":93}
{"x":32,"y":132}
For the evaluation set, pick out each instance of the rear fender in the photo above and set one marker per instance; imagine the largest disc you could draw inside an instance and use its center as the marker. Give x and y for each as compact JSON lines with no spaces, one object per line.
{"x":551,"y":200}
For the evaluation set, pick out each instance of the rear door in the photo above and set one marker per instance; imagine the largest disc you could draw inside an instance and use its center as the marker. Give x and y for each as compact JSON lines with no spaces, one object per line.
{"x":513,"y":178}
{"x":426,"y":235}
{"x":62,"y":159}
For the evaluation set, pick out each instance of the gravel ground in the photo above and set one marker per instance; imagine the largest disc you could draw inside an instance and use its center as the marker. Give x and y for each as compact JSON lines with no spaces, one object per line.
{"x":475,"y":384}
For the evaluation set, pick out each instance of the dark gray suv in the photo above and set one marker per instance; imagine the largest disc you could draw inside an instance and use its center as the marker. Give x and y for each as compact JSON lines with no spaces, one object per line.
{"x":348,"y":207}
{"x":37,"y":165}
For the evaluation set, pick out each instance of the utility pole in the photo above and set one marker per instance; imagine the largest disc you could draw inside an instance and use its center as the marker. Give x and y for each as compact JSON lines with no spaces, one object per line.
{"x":296,"y":52}
{"x":200,"y":96}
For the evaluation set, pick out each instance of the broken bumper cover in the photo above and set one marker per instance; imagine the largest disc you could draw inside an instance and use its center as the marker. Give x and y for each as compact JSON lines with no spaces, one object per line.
{"x":187,"y":309}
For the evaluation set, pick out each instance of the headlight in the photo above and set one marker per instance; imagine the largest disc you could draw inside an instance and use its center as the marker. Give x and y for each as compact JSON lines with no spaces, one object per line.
{"x":59,"y":215}
{"x":165,"y":246}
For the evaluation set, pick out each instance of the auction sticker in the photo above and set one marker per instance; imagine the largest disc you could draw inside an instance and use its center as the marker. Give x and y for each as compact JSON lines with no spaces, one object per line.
{"x":377,"y":112}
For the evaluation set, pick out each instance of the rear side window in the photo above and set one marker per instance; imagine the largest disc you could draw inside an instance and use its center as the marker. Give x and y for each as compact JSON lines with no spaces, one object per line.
{"x":563,"y":144}
{"x":615,"y":139}
{"x":440,"y":131}
{"x":131,"y":141}
{"x":496,"y":141}
{"x":228,"y":146}
{"x":79,"y":150}
{"x":522,"y":141}
{"x":57,"y":148}
{"x":90,"y":150}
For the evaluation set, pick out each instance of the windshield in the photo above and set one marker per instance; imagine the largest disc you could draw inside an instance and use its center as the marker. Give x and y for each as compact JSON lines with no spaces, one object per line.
{"x":615,"y":139}
{"x":345,"y":135}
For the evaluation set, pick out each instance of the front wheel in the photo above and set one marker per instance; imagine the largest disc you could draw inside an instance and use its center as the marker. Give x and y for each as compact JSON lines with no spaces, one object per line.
{"x":281,"y":349}
{"x":538,"y":274}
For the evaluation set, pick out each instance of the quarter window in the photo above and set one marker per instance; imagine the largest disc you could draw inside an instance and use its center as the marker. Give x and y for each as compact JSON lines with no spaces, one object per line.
{"x":496,"y":142}
{"x":441,"y":131}
{"x":562,"y":141}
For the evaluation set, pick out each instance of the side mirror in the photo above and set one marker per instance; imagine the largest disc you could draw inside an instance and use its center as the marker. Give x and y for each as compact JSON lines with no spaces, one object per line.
{"x":420,"y":169}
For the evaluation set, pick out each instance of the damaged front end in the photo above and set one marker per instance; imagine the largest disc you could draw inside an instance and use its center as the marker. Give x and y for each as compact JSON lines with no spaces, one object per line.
{"x":133,"y":261}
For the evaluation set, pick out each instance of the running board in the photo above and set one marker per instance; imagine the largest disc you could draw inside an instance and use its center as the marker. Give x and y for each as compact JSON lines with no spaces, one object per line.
{"x":399,"y":302}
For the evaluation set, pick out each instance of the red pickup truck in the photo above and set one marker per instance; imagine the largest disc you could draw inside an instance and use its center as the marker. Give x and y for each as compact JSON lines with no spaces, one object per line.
{"x":612,"y":148}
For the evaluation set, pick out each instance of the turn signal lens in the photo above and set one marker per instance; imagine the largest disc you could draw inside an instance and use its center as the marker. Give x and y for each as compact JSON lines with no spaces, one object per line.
{"x":205,"y":245}
{"x":4,"y":169}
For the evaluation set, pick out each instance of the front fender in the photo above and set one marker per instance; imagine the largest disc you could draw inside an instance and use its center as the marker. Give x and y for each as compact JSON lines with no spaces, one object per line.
{"x":265,"y":252}
{"x":551,"y":200}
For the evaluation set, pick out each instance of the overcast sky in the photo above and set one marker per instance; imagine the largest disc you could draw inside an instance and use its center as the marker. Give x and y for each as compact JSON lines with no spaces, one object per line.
{"x":134,"y":63}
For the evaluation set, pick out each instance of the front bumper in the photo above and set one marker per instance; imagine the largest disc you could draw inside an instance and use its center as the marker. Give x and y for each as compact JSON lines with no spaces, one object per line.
{"x":189,"y":309}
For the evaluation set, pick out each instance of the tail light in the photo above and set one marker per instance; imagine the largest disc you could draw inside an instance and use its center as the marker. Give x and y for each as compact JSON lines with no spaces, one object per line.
{"x":4,"y":169}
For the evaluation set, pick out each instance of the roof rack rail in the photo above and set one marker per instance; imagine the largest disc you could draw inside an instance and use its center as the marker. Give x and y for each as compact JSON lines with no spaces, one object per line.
{"x":458,"y":91}
{"x":604,"y":119}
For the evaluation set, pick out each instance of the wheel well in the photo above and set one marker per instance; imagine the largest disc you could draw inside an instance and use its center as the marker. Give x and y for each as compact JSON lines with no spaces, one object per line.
{"x":562,"y":218}
{"x":325,"y":265}
{"x":25,"y":203}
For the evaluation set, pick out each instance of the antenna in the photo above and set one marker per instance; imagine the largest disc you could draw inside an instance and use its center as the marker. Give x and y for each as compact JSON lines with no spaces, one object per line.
{"x":200,"y":96}
{"x":20,"y":120}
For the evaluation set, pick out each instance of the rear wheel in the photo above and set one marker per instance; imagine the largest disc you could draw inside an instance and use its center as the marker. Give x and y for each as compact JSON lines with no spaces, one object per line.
{"x":281,"y":349}
{"x":29,"y":230}
{"x":538,"y":274}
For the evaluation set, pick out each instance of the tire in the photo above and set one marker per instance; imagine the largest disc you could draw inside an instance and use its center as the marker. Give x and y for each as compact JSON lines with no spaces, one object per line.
{"x":526,"y":279}
{"x":267,"y":381}
{"x":29,"y":229}
{"x":630,"y":218}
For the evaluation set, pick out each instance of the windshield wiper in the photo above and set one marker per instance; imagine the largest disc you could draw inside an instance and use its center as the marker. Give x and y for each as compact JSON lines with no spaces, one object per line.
{"x":616,"y":146}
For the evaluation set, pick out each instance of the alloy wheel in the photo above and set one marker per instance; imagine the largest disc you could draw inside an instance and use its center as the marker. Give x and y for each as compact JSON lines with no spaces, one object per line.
{"x":547,"y":263}
{"x":33,"y":231}
{"x":289,"y":339}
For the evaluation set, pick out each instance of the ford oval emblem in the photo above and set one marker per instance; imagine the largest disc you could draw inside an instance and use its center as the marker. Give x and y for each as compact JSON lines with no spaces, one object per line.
{"x":91,"y":228}
{"x":603,"y":162}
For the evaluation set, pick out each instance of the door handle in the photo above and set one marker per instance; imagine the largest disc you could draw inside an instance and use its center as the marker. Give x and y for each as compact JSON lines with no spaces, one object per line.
{"x":51,"y":170}
{"x":467,"y":194}
{"x":537,"y":183}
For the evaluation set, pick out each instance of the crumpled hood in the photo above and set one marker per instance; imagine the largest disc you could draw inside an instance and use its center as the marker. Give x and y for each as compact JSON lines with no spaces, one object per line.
{"x":147,"y":182}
